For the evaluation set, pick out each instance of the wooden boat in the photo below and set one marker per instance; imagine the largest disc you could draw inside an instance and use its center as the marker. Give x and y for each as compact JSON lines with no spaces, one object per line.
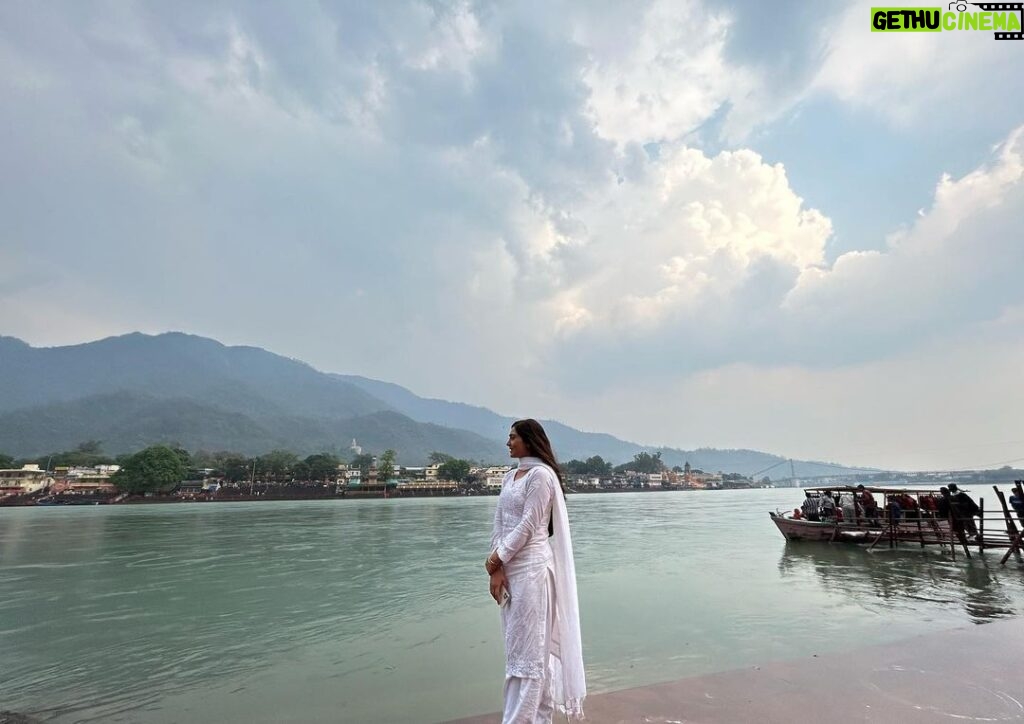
{"x":890,"y":521}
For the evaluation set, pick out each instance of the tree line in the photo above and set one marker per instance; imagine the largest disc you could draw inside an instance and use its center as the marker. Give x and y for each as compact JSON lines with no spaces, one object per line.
{"x":161,"y":467}
{"x":642,"y":462}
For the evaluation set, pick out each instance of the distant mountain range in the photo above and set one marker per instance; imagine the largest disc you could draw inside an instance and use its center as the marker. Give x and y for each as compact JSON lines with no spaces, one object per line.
{"x":136,"y":390}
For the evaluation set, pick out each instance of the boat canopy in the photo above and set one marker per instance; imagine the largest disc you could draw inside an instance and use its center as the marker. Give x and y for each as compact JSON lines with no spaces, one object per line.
{"x":872,"y":489}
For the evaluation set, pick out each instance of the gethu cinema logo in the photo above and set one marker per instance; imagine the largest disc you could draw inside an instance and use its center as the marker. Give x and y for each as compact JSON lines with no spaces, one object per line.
{"x":992,"y":16}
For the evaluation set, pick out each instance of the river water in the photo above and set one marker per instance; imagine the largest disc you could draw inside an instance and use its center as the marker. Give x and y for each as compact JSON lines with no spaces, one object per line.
{"x":377,"y":610}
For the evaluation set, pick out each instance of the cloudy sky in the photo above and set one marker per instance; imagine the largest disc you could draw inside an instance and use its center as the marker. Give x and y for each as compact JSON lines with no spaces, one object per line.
{"x":694,"y":223}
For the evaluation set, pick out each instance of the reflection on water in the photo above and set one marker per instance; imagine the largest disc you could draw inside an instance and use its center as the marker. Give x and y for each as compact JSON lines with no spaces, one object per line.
{"x":904,"y":579}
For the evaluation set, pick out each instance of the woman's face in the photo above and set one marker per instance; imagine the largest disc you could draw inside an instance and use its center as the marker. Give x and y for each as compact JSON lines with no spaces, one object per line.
{"x":516,"y":446}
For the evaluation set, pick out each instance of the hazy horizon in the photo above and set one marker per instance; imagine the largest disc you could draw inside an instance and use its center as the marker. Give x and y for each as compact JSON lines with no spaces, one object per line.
{"x":862,"y":465}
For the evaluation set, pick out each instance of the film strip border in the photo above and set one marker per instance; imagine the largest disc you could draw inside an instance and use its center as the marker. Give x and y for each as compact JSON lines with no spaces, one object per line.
{"x":1013,"y":7}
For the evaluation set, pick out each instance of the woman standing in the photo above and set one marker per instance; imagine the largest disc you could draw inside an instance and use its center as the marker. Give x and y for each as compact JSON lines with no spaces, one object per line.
{"x":531,"y":559}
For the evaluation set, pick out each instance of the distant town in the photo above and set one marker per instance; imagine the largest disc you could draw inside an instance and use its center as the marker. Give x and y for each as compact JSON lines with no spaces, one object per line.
{"x":164,"y":473}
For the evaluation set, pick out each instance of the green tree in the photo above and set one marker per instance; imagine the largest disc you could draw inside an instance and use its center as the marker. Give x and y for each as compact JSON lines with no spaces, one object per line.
{"x":6,"y":461}
{"x":386,"y":465}
{"x":574,"y":467}
{"x":322,"y":466}
{"x":184,"y":456}
{"x":597,"y":466}
{"x":278,"y":464}
{"x":643,"y":462}
{"x":457,"y":470}
{"x":155,"y":469}
{"x":235,"y":468}
{"x":439,"y":458}
{"x":85,"y":454}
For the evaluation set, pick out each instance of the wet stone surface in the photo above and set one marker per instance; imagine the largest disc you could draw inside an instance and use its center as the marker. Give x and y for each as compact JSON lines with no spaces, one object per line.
{"x":966,"y":674}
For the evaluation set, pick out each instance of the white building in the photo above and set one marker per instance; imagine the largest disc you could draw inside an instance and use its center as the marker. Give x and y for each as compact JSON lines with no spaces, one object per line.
{"x":27,"y":479}
{"x":493,"y":475}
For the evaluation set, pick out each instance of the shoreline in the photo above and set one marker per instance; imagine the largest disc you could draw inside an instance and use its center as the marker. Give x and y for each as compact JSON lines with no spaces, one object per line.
{"x":968,"y":673}
{"x":80,"y":499}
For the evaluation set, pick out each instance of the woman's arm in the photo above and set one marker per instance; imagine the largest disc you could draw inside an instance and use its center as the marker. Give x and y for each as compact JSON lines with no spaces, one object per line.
{"x":536,"y":509}
{"x":496,"y":532}
{"x":497,"y":582}
{"x":492,"y":563}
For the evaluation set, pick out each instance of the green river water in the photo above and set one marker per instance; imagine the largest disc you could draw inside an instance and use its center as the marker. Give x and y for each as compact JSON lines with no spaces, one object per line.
{"x":377,"y":610}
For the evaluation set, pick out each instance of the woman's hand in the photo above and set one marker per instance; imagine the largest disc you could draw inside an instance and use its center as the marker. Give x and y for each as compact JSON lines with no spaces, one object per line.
{"x":498,"y":582}
{"x":492,"y":563}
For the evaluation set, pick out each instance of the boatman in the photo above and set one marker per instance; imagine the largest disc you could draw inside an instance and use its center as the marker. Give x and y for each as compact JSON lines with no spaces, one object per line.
{"x":826,"y":506}
{"x":867,"y":503}
{"x":948,"y":508}
{"x":964,"y":504}
{"x":1017,"y":499}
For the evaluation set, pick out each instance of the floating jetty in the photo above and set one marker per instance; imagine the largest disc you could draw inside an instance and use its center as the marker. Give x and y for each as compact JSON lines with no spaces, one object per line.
{"x":904,"y":516}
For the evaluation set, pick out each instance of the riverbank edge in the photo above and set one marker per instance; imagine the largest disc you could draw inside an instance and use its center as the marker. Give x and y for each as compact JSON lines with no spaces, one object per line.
{"x":969,"y":672}
{"x":31,"y":501}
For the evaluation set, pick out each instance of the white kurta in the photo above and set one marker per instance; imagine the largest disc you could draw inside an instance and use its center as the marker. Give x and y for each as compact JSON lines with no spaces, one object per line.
{"x":543,"y":645}
{"x":520,"y":537}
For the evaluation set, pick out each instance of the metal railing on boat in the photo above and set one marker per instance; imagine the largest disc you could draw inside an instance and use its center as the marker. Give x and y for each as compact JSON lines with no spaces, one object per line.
{"x":1001,"y":529}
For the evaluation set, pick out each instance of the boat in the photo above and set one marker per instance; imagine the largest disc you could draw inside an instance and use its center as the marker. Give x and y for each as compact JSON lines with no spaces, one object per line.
{"x":902,"y":515}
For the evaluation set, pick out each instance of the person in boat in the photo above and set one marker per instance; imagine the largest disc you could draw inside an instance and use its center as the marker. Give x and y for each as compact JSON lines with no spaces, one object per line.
{"x":909,"y":505}
{"x":967,"y":507}
{"x":809,"y":507}
{"x":1017,"y":500}
{"x":929,"y":505}
{"x":847,"y":507}
{"x":894,"y":507}
{"x":949,"y":510}
{"x":867,"y":503}
{"x":797,"y":515}
{"x":826,"y":506}
{"x":533,"y":578}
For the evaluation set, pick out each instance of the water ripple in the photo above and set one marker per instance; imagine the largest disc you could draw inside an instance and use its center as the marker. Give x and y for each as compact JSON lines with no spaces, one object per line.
{"x":124,"y":613}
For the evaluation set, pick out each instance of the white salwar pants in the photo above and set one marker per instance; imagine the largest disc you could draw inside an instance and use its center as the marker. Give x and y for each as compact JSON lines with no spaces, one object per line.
{"x":529,"y":700}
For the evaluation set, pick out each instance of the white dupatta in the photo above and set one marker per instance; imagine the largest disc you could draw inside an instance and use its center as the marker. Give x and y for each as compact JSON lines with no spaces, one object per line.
{"x":568,"y":680}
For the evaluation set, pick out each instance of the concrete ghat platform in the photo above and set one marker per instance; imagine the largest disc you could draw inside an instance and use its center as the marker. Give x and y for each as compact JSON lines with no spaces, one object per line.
{"x":963,"y":675}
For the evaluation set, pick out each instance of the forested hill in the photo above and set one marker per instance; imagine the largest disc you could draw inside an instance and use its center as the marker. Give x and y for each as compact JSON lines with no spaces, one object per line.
{"x":136,"y":390}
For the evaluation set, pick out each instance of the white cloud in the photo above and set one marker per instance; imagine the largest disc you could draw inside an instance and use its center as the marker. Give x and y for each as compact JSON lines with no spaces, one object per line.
{"x":684,"y":236}
{"x":451,"y":37}
{"x":663,"y":76}
{"x":906,"y":76}
{"x":957,"y":260}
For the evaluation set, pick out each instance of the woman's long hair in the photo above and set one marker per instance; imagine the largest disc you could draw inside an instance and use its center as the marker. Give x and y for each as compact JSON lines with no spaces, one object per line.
{"x":538,"y":445}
